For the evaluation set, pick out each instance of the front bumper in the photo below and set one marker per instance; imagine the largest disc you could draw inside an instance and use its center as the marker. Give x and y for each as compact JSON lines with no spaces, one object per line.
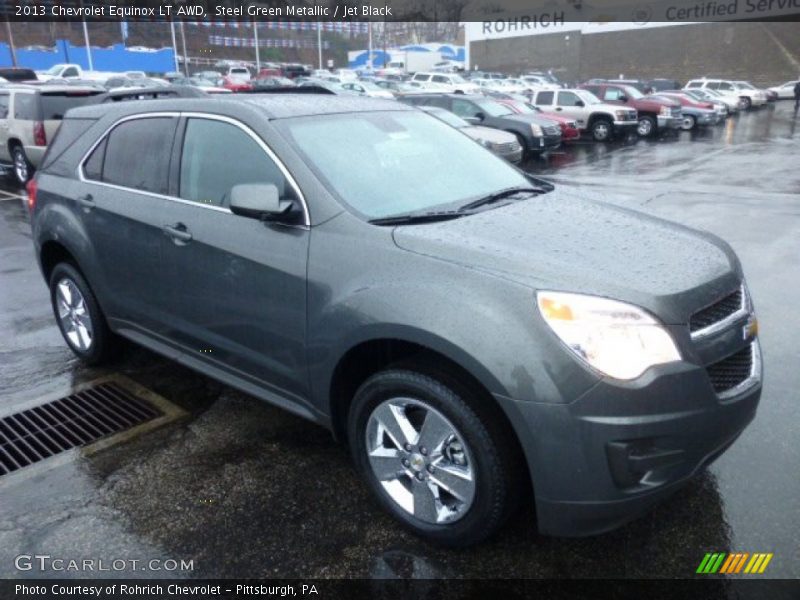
{"x":545,"y":143}
{"x":709,"y":118}
{"x":620,"y":448}
{"x":514,"y":156}
{"x":623,"y":127}
{"x":670,"y":122}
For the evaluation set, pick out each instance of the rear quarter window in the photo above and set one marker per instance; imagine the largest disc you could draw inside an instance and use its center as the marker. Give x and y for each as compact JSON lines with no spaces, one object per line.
{"x":25,"y":107}
{"x":69,"y":131}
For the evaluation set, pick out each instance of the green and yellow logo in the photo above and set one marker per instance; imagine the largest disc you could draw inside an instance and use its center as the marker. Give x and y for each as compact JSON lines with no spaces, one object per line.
{"x":720,"y":562}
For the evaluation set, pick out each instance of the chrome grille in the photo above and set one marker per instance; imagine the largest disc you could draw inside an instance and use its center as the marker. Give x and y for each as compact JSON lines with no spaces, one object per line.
{"x":676,"y":111}
{"x":507,"y":147}
{"x":552,"y":130}
{"x":732,"y":371}
{"x":719,"y":311}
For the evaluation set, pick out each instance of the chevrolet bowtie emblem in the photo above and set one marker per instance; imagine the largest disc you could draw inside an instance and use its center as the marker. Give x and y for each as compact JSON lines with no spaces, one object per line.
{"x":750,"y":329}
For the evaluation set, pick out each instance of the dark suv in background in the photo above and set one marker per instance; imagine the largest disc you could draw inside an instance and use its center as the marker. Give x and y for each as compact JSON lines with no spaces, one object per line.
{"x":535,"y":134}
{"x":470,"y":331}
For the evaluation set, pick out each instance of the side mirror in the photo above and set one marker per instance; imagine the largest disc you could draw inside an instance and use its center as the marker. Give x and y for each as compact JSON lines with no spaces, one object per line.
{"x":580,"y":103}
{"x":259,"y":201}
{"x":480,"y":116}
{"x":623,"y":98}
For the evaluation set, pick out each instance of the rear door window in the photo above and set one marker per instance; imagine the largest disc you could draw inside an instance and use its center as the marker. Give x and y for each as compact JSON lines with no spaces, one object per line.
{"x":725,"y":86}
{"x":218,"y":155}
{"x":545,"y":98}
{"x":4,"y":98}
{"x":137,"y":154}
{"x":568,"y":99}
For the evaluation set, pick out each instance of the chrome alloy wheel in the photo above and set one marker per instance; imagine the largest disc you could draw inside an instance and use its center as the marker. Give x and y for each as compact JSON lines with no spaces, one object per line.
{"x":74,"y":315}
{"x":420,"y":460}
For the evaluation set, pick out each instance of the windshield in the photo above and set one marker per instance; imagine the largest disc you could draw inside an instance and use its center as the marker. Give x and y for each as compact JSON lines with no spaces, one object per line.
{"x":632,"y":92}
{"x":54,"y":70}
{"x":494,"y":109}
{"x":587,"y":96}
{"x":430,"y":165}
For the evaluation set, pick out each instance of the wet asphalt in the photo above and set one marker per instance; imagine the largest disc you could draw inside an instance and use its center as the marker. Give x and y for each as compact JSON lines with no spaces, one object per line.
{"x":246,"y":490}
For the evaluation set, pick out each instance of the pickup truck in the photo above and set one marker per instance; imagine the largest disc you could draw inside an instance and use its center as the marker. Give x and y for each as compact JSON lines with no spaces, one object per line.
{"x":70,"y":71}
{"x":601,"y":120}
{"x":655,"y":114}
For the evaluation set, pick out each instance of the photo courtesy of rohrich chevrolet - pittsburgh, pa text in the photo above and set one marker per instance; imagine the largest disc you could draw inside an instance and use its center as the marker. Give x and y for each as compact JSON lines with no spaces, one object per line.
{"x":387,"y":299}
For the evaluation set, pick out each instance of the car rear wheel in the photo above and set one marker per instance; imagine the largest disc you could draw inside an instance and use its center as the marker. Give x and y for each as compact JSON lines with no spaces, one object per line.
{"x":745,"y":102}
{"x":688,"y":123}
{"x":646,"y":127}
{"x":602,"y":130}
{"x":79,"y":316}
{"x":23,"y":169}
{"x":433,"y":464}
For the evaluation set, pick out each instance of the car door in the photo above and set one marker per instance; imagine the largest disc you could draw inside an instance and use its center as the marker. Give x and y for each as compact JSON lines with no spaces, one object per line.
{"x":120,"y":200}
{"x":570,"y":105}
{"x":5,"y":99}
{"x":237,"y":284}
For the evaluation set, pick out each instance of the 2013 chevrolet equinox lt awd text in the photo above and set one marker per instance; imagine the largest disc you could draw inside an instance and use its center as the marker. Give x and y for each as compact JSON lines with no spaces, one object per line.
{"x":470,"y":331}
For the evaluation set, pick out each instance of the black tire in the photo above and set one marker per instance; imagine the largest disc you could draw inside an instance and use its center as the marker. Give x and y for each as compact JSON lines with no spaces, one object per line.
{"x":689,"y":123}
{"x":522,"y":143}
{"x":495,"y":462}
{"x":21,"y":166}
{"x":746,"y":102}
{"x":104,"y":344}
{"x":647,"y":126}
{"x":602,"y":130}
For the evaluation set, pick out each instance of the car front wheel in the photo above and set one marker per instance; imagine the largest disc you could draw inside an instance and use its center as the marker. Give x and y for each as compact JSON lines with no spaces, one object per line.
{"x":602,"y":130}
{"x":646,"y":127}
{"x":431,"y":461}
{"x":688,"y":123}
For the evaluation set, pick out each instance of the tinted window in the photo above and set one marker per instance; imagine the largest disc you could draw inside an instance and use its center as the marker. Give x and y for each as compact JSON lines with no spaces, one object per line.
{"x":545,"y":98}
{"x":70,"y":72}
{"x":465,"y":108}
{"x":568,"y":99}
{"x":3,"y":106}
{"x":93,"y":167}
{"x":25,"y":106}
{"x":216,"y":156}
{"x":440,"y":79}
{"x":694,"y":84}
{"x":725,"y":86}
{"x":55,"y":105}
{"x":714,"y":85}
{"x":138,"y":153}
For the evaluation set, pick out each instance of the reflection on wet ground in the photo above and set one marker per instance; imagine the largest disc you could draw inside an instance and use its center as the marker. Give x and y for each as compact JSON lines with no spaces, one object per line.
{"x":244,"y":489}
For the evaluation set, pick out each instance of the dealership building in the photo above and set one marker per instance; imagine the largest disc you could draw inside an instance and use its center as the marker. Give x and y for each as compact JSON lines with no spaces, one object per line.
{"x":762,"y":52}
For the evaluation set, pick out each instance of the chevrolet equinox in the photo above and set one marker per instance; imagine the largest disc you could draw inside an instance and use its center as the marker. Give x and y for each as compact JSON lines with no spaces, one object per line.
{"x":476,"y":336}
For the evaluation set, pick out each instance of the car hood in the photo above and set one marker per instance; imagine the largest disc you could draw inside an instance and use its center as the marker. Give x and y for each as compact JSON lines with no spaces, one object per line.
{"x":559,"y":241}
{"x":496,"y":136}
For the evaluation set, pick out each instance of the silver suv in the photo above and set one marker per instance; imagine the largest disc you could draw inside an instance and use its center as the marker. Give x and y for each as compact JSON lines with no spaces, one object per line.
{"x":29,"y":117}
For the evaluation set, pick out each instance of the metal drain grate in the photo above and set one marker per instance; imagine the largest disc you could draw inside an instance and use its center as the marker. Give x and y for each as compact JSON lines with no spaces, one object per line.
{"x":84,"y":417}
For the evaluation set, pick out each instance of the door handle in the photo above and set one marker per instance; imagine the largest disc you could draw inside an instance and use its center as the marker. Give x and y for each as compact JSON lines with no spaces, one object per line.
{"x":87,"y":202}
{"x":178,"y":232}
{"x":559,"y":108}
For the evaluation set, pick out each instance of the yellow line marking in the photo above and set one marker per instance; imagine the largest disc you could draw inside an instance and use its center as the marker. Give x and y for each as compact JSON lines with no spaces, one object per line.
{"x":765,"y":563}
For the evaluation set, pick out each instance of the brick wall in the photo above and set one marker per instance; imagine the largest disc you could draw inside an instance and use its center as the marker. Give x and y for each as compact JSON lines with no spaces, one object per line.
{"x":764,"y":53}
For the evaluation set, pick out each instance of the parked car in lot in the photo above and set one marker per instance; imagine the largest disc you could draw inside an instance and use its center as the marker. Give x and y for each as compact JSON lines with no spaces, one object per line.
{"x":237,"y":74}
{"x":451,"y":83}
{"x":535,"y":134}
{"x":784,"y":91}
{"x":478,"y":337}
{"x":367,"y":88}
{"x":729,"y":103}
{"x":203,"y":84}
{"x":399,"y":88}
{"x":30,"y":115}
{"x":695,"y":113}
{"x":539,"y":82}
{"x":654,"y":114}
{"x":747,"y":97}
{"x":601,"y":120}
{"x":267,"y":82}
{"x":502,"y":143}
{"x":653,"y":86}
{"x":520,"y":105}
{"x":18,"y":75}
{"x":236,"y":84}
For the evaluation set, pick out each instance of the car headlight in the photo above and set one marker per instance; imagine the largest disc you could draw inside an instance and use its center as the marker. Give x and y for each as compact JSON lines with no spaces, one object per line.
{"x":665,"y":111}
{"x":537,"y":130}
{"x":619,"y":340}
{"x":485,"y":143}
{"x":622,"y":115}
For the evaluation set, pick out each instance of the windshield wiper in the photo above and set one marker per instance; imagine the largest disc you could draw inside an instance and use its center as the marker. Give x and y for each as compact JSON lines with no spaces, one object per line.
{"x":506,"y":193}
{"x":414,"y":218}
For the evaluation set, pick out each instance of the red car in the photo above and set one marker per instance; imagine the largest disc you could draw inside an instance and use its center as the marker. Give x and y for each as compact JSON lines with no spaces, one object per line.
{"x":236,"y":85}
{"x":569,"y":128}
